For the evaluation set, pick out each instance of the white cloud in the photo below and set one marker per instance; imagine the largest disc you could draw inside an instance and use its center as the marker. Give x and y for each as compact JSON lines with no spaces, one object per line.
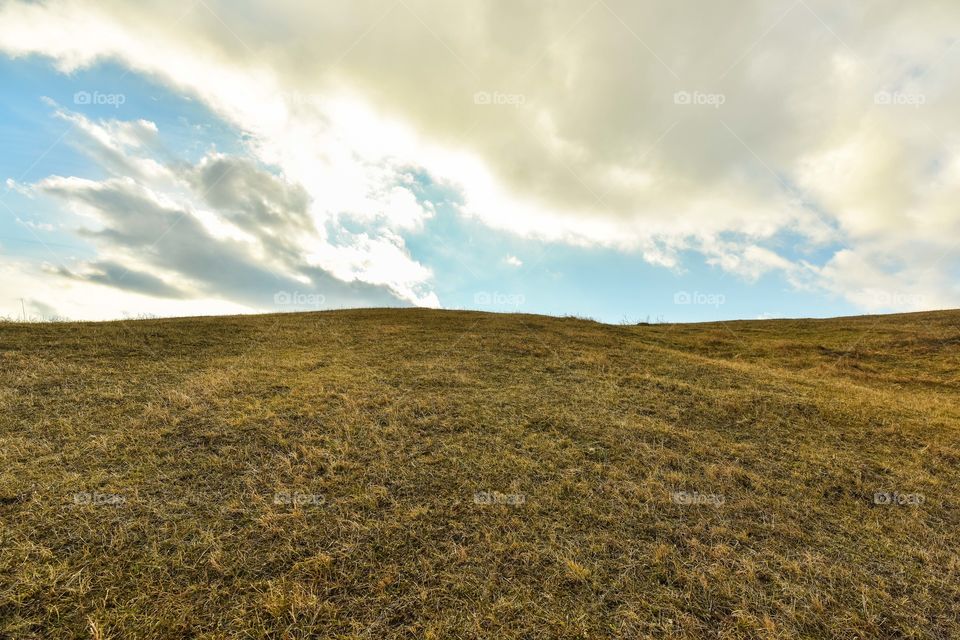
{"x":594,"y":150}
{"x":913,"y":287}
{"x":112,"y":143}
{"x":223,"y":229}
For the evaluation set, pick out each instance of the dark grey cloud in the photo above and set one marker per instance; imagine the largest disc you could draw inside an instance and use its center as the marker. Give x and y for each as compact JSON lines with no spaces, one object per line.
{"x":173,"y":241}
{"x":116,"y":275}
{"x":265,"y":205}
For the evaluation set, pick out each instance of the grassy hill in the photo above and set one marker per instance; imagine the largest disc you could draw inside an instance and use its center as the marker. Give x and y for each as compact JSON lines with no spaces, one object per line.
{"x":431,"y":474}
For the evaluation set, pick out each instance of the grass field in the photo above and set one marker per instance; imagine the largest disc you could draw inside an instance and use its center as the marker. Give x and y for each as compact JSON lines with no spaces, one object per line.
{"x":317,"y":475}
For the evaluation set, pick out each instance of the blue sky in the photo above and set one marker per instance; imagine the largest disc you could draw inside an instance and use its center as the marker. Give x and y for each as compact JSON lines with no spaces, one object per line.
{"x":468,"y":258}
{"x":355,"y":190}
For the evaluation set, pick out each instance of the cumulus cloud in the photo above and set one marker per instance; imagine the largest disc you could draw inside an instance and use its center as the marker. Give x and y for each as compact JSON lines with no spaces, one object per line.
{"x":651,"y":127}
{"x":113,"y":144}
{"x":221,"y":229}
{"x":135,"y":224}
{"x":255,"y":201}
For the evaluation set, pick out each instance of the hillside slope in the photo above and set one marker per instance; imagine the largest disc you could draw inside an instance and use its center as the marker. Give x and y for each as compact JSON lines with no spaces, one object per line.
{"x":287,"y":475}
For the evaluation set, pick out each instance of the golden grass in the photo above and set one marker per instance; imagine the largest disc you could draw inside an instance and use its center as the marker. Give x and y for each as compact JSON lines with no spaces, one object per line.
{"x":316,"y":475}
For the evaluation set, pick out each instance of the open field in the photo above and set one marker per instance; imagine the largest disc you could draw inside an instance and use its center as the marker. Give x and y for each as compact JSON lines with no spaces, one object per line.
{"x":315,"y":475}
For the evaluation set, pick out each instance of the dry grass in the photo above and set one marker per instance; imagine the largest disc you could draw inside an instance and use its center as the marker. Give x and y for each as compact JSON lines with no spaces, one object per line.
{"x":378,"y":427}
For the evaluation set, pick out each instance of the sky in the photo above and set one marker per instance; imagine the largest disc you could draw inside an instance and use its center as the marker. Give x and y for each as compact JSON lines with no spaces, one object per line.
{"x":625,"y":161}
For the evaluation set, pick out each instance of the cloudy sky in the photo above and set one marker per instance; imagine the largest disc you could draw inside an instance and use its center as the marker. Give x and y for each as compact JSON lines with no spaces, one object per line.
{"x":674,"y":159}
